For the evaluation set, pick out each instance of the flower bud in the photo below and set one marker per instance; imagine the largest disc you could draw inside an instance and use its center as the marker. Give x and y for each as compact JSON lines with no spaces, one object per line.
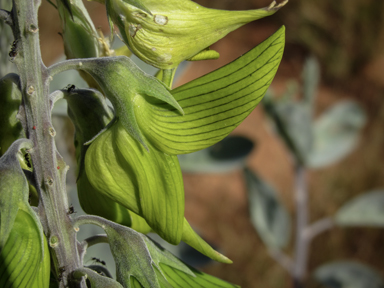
{"x":164,"y":33}
{"x":81,"y":39}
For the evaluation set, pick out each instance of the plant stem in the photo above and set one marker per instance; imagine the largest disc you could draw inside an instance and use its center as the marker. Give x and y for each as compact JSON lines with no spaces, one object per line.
{"x":283,"y":259}
{"x":168,"y":75}
{"x":318,"y":227}
{"x":49,"y":168}
{"x":302,"y":243}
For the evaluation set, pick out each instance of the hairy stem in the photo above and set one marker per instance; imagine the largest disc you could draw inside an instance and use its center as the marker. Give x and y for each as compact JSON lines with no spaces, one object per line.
{"x":49,"y":168}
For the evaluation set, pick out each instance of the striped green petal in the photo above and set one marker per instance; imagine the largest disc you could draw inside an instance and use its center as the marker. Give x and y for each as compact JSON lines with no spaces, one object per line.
{"x":214,"y":104}
{"x":22,"y":254}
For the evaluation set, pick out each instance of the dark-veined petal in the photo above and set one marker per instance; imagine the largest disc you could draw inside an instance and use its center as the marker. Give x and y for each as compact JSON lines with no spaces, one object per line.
{"x":214,"y":104}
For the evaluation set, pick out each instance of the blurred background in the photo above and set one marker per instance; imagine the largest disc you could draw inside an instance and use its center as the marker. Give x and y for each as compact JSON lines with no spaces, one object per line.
{"x":347,"y":39}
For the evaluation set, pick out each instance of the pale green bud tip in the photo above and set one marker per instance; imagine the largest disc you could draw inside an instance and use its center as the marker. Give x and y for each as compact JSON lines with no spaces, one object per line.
{"x":176,"y":30}
{"x":275,"y":7}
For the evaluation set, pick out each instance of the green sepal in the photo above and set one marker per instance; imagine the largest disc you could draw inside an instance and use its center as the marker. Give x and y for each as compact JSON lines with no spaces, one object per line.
{"x":13,"y":188}
{"x":124,"y":84}
{"x":142,"y":263}
{"x":175,"y":30}
{"x":10,"y":100}
{"x":131,"y":256}
{"x":97,"y":280}
{"x":21,"y":263}
{"x":214,"y":104}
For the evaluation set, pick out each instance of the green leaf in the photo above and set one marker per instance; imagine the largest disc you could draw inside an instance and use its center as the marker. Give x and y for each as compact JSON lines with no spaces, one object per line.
{"x":13,"y":188}
{"x":336,"y":133}
{"x":227,"y":155}
{"x":22,"y":254}
{"x":214,"y":104}
{"x":346,"y":274}
{"x":364,"y":210}
{"x":268,"y":215}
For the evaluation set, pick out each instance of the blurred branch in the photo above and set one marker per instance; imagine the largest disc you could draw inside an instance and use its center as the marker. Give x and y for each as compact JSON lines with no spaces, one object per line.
{"x":318,"y":227}
{"x":301,"y":246}
{"x":283,"y":259}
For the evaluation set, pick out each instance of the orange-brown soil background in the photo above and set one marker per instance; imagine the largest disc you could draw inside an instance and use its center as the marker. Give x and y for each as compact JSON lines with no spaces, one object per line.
{"x":347,"y":37}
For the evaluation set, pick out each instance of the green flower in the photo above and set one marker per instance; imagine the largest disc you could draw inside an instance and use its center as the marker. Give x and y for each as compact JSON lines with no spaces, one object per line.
{"x":24,"y":255}
{"x":143,"y":173}
{"x":148,"y":184}
{"x":164,"y":33}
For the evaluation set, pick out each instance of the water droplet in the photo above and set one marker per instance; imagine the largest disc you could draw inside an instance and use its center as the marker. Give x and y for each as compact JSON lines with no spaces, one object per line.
{"x":160,"y":19}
